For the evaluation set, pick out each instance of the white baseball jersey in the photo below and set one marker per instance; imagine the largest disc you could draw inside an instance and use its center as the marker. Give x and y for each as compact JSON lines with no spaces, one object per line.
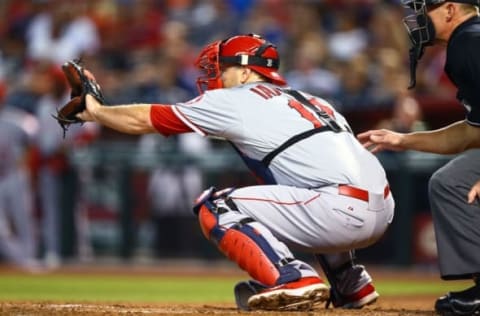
{"x":306,"y":207}
{"x":258,"y":118}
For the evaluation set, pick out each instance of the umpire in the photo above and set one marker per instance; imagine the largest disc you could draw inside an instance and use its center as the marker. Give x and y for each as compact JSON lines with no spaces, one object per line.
{"x":455,"y":211}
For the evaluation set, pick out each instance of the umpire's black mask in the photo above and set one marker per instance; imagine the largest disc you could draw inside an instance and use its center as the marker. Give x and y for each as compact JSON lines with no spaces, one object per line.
{"x":420,"y":30}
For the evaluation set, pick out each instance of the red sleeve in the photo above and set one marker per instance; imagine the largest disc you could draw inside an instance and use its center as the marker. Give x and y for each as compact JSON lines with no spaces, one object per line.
{"x":166,"y":122}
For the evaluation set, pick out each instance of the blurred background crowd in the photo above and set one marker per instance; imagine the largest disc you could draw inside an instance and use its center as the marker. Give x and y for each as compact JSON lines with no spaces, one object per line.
{"x":353,"y":52}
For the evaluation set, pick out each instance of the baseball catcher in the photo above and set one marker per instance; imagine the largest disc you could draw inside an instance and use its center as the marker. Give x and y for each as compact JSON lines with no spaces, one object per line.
{"x":82,"y":82}
{"x":319,"y":190}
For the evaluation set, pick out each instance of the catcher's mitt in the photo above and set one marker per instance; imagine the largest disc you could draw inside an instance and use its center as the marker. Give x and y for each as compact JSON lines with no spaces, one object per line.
{"x":82,"y":82}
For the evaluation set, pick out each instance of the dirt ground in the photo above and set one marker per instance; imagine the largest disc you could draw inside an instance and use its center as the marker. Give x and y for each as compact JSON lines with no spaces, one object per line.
{"x":385,"y":306}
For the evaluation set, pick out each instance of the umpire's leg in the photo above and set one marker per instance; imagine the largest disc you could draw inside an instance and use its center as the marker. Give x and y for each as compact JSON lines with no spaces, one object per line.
{"x":456,"y":222}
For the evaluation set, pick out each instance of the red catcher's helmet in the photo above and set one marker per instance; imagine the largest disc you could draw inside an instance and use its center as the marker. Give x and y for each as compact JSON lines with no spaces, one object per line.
{"x":250,"y":50}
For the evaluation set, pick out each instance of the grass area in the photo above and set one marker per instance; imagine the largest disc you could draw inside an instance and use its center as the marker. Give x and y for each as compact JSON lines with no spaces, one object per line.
{"x":159,"y":289}
{"x":115,"y":288}
{"x":419,"y":287}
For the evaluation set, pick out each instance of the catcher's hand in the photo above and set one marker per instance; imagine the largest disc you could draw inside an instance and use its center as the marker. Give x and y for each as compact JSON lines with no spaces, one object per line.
{"x":82,"y":82}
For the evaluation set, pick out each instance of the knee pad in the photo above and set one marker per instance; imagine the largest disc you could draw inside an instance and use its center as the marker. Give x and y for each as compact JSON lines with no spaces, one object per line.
{"x":208,"y":197}
{"x":207,"y":212}
{"x":208,"y":221}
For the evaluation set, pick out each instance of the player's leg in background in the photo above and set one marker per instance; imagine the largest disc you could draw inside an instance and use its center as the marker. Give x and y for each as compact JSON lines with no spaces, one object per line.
{"x":21,"y":213}
{"x":49,"y":200}
{"x":456,"y":228}
{"x":82,"y":223}
{"x":11,"y":248}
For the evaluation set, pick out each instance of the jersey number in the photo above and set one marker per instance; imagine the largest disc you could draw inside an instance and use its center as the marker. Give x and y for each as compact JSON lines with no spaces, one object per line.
{"x":300,"y":108}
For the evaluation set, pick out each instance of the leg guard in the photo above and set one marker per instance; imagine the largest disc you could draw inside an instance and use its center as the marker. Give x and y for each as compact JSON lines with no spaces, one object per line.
{"x":245,"y":245}
{"x":241,"y":246}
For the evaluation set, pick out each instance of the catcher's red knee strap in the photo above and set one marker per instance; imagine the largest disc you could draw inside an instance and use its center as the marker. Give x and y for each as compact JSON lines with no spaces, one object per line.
{"x":249,"y":256}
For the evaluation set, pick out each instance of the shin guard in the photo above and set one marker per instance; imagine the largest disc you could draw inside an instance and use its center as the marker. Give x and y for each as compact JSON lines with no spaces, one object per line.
{"x":244,"y":245}
{"x":249,"y":256}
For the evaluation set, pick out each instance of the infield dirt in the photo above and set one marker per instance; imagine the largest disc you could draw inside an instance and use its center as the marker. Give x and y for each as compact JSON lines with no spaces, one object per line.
{"x":387,"y":305}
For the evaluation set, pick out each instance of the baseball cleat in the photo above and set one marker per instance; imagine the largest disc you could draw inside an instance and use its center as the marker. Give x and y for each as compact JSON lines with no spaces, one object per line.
{"x":466,"y":302}
{"x":300,"y":295}
{"x":363,"y":297}
{"x":243,"y":290}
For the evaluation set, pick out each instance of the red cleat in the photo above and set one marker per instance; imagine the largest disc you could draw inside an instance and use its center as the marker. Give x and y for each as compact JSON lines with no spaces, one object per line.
{"x":365,"y":296}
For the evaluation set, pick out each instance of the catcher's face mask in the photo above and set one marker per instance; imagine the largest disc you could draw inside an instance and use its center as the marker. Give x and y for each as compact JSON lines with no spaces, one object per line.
{"x":420,"y":29}
{"x":249,"y":50}
{"x":209,"y":65}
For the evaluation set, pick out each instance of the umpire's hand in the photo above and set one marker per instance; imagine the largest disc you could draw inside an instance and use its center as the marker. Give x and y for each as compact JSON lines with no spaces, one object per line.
{"x":474,"y":192}
{"x":381,"y":139}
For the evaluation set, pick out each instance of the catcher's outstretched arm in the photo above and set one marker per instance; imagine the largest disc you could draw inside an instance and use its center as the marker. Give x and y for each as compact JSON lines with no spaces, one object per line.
{"x":129,"y":119}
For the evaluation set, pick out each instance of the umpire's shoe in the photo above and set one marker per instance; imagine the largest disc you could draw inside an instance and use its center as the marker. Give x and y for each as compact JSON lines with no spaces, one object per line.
{"x":466,"y":302}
